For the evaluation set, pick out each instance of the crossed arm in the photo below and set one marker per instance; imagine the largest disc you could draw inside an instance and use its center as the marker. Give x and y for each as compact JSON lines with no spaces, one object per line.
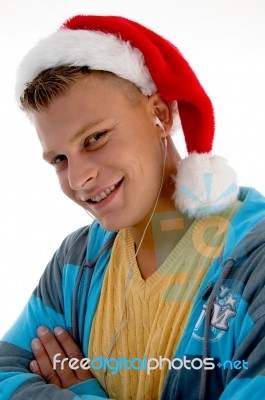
{"x":45,"y":347}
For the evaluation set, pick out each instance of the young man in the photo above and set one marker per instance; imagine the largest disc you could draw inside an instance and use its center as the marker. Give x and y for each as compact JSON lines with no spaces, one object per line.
{"x":162,"y":296}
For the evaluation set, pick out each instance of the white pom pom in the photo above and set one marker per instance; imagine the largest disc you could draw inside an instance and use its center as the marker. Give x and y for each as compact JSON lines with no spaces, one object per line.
{"x":204,"y":185}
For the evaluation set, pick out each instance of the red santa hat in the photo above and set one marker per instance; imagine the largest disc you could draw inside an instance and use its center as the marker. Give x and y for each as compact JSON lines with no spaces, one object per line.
{"x":205,"y":184}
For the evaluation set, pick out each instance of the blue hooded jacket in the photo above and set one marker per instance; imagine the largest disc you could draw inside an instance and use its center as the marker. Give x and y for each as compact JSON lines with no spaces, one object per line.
{"x":225,"y":332}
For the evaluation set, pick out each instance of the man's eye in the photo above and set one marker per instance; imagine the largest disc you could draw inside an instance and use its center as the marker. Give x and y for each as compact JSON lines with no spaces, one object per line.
{"x":94,"y":138}
{"x":58,"y":159}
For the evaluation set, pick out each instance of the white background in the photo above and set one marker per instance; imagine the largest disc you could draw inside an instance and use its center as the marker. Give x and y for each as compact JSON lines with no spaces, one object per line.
{"x":224,"y":41}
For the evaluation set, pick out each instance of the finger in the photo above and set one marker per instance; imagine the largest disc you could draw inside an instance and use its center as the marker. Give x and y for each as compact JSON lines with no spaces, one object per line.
{"x":72,"y":351}
{"x":57,"y":357}
{"x":44,"y":367}
{"x":34,"y":368}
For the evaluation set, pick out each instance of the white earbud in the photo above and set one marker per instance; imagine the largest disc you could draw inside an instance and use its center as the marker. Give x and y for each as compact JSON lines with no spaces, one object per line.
{"x":159,"y":123}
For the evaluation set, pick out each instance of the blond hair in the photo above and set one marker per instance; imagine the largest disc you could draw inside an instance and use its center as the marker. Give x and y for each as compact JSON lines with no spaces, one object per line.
{"x":54,"y":82}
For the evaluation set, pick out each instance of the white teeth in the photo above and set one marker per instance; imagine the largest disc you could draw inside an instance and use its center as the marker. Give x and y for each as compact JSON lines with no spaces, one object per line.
{"x":103,"y":194}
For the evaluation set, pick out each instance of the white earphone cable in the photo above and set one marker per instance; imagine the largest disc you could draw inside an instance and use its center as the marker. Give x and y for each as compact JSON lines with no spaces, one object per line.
{"x":133,"y":258}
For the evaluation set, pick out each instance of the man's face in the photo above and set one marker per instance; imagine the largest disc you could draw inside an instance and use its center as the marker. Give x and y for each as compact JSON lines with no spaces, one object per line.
{"x":107,"y":152}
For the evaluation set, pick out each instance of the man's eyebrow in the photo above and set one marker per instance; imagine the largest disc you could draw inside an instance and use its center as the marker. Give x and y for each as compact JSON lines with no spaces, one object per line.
{"x":49,"y":154}
{"x":81,"y":131}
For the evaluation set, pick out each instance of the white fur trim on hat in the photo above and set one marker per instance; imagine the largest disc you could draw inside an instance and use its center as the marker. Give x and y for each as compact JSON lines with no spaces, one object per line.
{"x":97,"y":50}
{"x":204,"y":185}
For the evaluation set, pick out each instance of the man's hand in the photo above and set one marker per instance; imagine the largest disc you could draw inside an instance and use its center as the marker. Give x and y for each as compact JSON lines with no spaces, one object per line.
{"x":46,"y":346}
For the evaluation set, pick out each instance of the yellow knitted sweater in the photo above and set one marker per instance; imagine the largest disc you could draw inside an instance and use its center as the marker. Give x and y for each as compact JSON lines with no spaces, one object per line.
{"x":152,"y":316}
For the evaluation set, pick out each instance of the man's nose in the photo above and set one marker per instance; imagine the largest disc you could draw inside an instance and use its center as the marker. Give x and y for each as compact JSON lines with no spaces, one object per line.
{"x":80,"y":172}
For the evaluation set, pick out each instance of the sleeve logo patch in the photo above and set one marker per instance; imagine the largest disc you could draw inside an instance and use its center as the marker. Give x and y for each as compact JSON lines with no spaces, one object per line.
{"x":224,"y":308}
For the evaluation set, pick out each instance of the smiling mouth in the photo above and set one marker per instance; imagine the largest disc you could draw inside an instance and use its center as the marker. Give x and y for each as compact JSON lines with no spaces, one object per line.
{"x":104,"y":194}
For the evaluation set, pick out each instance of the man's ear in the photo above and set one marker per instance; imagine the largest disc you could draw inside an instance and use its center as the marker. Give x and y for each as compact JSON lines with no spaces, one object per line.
{"x":161,"y":109}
